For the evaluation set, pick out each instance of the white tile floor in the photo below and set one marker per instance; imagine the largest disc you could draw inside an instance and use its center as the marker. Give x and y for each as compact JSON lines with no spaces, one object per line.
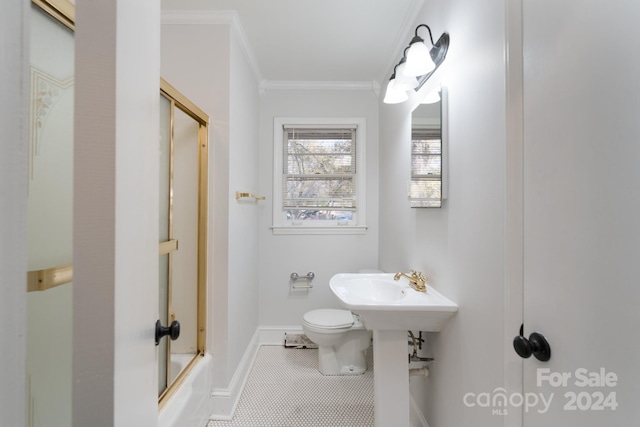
{"x":285,"y":389}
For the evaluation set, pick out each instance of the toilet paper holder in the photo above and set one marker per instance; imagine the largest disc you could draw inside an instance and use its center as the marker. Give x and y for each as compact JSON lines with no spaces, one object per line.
{"x":308,"y":277}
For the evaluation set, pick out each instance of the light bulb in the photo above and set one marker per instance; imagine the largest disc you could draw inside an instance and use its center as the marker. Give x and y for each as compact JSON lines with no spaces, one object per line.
{"x":419,"y":60}
{"x":403,"y":81}
{"x":394,"y":95}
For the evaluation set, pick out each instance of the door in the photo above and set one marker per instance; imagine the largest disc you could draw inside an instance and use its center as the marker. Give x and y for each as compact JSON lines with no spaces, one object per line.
{"x":582,"y":211}
{"x":13,"y":210}
{"x":115,"y":215}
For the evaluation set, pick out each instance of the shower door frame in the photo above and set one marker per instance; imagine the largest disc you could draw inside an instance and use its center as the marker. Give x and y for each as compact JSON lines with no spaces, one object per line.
{"x":178,"y":100}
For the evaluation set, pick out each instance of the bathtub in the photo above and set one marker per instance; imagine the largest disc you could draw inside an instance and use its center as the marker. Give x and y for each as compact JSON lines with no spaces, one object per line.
{"x":189,"y":406}
{"x":179,"y":361}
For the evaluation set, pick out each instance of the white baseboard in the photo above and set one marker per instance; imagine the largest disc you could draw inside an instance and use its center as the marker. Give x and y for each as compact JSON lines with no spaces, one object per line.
{"x":274,"y":335}
{"x":224,"y":401}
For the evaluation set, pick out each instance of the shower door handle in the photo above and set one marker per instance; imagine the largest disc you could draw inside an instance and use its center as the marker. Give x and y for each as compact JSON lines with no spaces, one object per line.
{"x":172,"y":330}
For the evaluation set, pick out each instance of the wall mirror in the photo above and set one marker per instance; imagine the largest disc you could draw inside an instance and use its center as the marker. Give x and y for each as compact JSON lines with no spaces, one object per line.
{"x":428,"y":186}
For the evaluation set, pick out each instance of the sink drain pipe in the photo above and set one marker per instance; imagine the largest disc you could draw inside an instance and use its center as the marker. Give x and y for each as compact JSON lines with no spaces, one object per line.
{"x":424,"y":372}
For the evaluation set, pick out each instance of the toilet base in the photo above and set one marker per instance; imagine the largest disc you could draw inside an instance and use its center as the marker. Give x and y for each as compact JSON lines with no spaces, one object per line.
{"x":341,"y":338}
{"x":348,"y":358}
{"x":328,"y":365}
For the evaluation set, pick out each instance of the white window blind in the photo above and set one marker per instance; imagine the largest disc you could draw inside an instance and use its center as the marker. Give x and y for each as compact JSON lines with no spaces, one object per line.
{"x":425,"y":189}
{"x":319,"y":173}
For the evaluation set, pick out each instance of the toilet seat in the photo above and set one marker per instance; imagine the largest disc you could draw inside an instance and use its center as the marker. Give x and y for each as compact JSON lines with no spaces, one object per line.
{"x":329,"y":319}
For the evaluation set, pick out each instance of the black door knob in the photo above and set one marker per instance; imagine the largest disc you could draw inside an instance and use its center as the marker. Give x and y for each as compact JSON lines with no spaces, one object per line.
{"x":172,"y":330}
{"x":536,"y":345}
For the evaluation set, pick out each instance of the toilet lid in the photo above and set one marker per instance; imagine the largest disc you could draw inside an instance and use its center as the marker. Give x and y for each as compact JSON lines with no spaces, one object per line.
{"x":329,"y":318}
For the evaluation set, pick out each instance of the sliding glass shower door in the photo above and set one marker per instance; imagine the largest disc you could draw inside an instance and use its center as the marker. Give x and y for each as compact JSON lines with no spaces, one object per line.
{"x":182,"y":235}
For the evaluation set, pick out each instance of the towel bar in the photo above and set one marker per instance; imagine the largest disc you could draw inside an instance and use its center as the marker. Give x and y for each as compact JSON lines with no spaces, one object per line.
{"x":241,"y":195}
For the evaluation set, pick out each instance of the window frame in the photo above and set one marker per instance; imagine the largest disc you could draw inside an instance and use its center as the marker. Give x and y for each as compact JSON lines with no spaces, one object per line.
{"x":280,"y":225}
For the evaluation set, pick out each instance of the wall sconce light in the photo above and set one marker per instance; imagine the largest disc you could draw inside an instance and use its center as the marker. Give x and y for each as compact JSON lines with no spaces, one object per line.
{"x":418,"y":63}
{"x":394,"y":94}
{"x":405,"y":81}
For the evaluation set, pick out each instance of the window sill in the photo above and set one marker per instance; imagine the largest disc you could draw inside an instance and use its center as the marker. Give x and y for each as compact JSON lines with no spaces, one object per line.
{"x":358,"y":229}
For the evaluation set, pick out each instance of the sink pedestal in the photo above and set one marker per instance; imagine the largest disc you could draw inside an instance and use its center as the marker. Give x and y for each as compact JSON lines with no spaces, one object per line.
{"x":390,"y":308}
{"x":391,"y":378}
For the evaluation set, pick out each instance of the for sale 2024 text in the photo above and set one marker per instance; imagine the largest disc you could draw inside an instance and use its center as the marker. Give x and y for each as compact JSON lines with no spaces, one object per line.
{"x":594,"y":397}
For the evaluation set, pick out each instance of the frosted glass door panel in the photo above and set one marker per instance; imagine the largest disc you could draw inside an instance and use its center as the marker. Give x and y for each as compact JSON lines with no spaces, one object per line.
{"x":49,"y":312}
{"x":51,"y":143}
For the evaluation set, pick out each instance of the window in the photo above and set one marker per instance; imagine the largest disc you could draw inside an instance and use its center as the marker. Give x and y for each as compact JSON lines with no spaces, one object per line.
{"x":319,"y":177}
{"x":426,"y":168}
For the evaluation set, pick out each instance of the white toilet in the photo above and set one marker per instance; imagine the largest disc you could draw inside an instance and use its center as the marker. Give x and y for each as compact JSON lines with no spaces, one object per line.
{"x":342,"y":341}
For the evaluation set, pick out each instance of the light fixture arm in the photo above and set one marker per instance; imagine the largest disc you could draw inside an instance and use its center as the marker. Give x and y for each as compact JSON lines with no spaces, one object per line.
{"x":417,"y":38}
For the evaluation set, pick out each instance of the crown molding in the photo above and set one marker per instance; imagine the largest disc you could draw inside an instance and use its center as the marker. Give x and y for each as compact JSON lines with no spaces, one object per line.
{"x":216,"y":17}
{"x":373,"y":85}
{"x":236,"y":27}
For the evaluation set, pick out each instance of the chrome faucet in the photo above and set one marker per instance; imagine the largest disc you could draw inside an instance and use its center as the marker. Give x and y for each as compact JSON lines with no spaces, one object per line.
{"x":416,"y":280}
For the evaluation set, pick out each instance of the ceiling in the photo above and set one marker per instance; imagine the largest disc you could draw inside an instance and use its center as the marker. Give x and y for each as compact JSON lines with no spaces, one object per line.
{"x":319,"y":40}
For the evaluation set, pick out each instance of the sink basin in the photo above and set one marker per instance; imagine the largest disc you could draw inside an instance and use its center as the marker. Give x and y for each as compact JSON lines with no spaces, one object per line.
{"x":364,"y":289}
{"x":386,"y":304}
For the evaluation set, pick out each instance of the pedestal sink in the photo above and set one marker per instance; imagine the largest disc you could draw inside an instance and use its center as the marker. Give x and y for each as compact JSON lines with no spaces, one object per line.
{"x":390,"y":308}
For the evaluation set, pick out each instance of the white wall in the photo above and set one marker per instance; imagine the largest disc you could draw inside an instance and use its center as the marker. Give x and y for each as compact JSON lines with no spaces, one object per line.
{"x":204,"y":59}
{"x":14,"y":30}
{"x":243,"y":217}
{"x":325,"y":255}
{"x":460,"y":246}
